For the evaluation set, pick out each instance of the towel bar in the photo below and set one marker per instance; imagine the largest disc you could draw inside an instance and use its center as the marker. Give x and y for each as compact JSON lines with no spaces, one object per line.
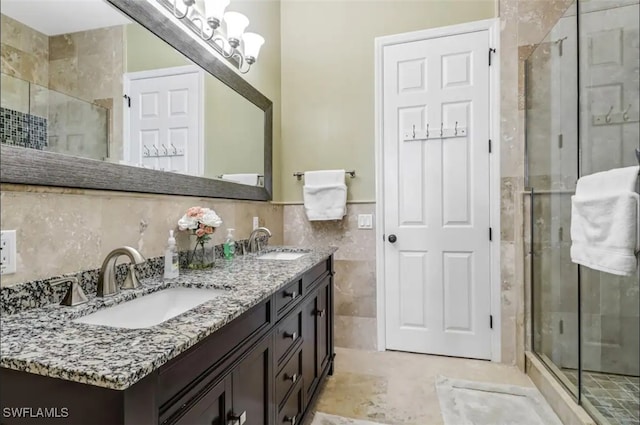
{"x":300,"y":174}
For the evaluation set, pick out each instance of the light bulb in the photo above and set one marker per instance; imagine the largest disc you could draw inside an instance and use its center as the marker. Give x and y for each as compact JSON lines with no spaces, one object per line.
{"x":236,"y":24}
{"x":214,"y":11}
{"x":252,"y":44}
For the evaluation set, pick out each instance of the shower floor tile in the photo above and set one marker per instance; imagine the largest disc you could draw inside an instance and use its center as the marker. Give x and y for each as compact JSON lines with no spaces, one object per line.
{"x":616,"y":397}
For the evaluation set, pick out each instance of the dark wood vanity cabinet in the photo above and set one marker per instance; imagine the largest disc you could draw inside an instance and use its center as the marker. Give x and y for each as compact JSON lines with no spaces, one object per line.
{"x":242,"y":397}
{"x":263,"y":368}
{"x":317,"y":337}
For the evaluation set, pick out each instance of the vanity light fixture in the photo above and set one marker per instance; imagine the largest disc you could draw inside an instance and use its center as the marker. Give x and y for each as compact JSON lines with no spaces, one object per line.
{"x":206,"y":18}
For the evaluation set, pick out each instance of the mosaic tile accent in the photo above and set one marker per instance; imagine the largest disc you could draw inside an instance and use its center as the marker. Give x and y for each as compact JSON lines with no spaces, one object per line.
{"x":20,"y":129}
{"x":616,"y":397}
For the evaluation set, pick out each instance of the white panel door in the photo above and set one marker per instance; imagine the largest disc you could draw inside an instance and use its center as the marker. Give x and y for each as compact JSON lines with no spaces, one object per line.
{"x":164,"y":127}
{"x":437,"y":272}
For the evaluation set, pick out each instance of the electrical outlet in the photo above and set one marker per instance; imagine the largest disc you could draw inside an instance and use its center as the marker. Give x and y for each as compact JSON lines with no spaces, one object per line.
{"x":8,"y":252}
{"x":256,"y":222}
{"x":365,"y":221}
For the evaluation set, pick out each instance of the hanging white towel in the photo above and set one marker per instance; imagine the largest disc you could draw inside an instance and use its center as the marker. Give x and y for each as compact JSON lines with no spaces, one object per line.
{"x":325,"y":195}
{"x":246,"y":178}
{"x":605,"y":212}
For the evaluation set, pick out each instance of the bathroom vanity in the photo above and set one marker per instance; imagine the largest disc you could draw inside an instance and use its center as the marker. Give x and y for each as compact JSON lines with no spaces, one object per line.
{"x":256,"y":354}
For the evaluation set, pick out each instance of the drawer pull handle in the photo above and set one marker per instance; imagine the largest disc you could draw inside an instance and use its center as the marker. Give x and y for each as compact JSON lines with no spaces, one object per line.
{"x":320,"y":313}
{"x":291,"y":419}
{"x":291,"y":295}
{"x":238,"y":419}
{"x":293,"y":378}
{"x":292,"y":336}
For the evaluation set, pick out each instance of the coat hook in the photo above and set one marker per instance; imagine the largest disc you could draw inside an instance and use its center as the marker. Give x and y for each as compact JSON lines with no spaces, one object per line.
{"x":156,"y":149}
{"x":414,"y":131}
{"x":164,"y":148}
{"x":625,"y":114}
{"x":146,"y":150}
{"x":175,"y":150}
{"x":456,"y":129}
{"x":441,"y":130}
{"x":607,"y":118}
{"x":427,"y":130}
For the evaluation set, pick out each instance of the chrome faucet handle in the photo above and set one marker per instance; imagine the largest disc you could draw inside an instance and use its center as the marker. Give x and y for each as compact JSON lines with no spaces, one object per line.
{"x":107,"y":284}
{"x":131,"y":281}
{"x":253,"y":238}
{"x":75,"y":295}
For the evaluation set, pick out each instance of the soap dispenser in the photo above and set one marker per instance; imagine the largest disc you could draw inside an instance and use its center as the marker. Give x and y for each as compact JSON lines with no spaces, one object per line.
{"x":171,"y":260}
{"x":229,"y":247}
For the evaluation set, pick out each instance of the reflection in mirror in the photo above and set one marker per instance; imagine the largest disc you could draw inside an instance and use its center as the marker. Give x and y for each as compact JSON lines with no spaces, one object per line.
{"x":87,"y":81}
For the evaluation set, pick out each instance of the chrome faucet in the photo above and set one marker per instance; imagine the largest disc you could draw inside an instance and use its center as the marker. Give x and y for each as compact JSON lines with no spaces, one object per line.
{"x":75,"y":295}
{"x":107,"y":284}
{"x":254,"y":244}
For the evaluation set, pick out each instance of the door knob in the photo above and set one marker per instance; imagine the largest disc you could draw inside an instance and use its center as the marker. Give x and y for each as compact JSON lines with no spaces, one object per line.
{"x":392,"y":238}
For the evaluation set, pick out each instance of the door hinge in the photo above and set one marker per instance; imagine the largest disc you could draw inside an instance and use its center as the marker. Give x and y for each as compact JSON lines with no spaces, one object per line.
{"x":489,"y":145}
{"x":384,"y":237}
{"x":490,"y":234}
{"x":128,"y":99}
{"x":560,"y":140}
{"x":491,"y":321}
{"x":561,"y":326}
{"x":491,"y":50}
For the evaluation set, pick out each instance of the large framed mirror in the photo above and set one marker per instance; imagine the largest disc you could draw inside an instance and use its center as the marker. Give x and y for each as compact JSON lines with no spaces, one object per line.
{"x":115,"y":95}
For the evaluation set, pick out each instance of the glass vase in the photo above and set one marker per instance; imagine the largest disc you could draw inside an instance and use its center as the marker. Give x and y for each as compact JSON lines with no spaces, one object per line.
{"x":201,"y":255}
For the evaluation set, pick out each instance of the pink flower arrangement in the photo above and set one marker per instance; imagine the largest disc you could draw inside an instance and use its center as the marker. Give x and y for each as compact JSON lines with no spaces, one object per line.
{"x":202,"y":223}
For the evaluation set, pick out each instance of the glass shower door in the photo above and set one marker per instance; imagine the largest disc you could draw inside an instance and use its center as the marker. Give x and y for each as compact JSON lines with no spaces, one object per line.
{"x":609,"y":135}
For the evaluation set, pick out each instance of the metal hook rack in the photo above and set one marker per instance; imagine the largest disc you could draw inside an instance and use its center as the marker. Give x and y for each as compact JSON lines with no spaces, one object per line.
{"x":166,"y":152}
{"x":611,"y":118}
{"x":444,"y":133}
{"x":300,"y":174}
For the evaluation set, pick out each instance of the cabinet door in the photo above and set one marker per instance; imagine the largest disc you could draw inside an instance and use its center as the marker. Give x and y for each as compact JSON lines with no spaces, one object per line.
{"x":209,"y":408}
{"x":323,"y":323}
{"x":253,"y":395}
{"x":309,"y":331}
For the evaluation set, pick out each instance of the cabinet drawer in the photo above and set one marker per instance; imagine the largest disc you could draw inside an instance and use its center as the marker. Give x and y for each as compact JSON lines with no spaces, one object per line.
{"x":209,"y":407}
{"x":313,"y":274}
{"x":288,"y":377}
{"x":288,"y":296}
{"x":288,"y":334}
{"x":292,"y":410}
{"x":184,"y":376}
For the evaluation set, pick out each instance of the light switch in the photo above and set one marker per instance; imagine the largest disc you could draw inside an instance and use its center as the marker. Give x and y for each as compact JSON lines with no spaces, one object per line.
{"x":8,"y":252}
{"x":365,"y":221}
{"x":256,"y":223}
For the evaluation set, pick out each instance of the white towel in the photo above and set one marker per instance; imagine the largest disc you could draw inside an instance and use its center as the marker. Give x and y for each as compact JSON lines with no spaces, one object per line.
{"x":605,"y":214}
{"x":246,"y":178}
{"x":325,"y":195}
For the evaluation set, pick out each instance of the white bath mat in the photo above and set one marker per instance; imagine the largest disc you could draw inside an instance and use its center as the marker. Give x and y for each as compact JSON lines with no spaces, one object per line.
{"x":480,"y":403}
{"x":325,"y":419}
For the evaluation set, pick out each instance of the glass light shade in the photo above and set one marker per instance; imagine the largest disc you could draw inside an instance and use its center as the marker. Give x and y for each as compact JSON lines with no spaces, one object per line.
{"x":215,"y":9}
{"x":236,"y":24}
{"x":252,"y":44}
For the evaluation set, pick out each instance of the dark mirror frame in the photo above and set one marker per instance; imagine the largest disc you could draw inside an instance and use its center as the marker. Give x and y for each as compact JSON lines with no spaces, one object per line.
{"x":30,"y":166}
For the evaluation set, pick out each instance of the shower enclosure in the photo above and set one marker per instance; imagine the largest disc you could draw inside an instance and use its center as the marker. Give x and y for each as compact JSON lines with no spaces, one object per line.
{"x":582,"y":113}
{"x":36,"y":117}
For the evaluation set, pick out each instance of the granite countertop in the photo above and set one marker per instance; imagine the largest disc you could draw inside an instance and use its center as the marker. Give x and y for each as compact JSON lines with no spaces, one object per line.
{"x":45,"y":341}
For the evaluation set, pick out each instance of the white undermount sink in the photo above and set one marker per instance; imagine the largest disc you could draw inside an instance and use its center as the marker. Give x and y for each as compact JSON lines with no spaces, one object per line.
{"x":282,"y":256}
{"x":150,"y":310}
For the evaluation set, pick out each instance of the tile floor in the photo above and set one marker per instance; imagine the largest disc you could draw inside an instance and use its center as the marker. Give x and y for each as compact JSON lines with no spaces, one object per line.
{"x":399,"y":388}
{"x":616,"y":397}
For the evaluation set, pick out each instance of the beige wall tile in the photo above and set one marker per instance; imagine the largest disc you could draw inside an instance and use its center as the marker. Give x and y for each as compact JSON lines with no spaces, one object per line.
{"x":355,"y":288}
{"x":355,"y":332}
{"x":61,"y":231}
{"x":353,"y":243}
